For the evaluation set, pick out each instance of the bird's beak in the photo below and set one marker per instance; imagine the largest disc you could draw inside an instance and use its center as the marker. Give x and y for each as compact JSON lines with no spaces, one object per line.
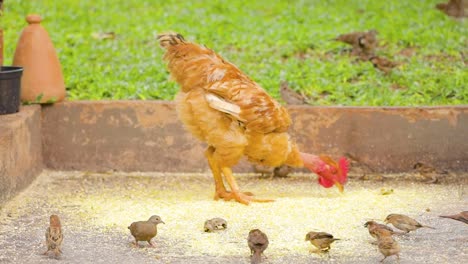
{"x":162,"y":222}
{"x":339,"y":186}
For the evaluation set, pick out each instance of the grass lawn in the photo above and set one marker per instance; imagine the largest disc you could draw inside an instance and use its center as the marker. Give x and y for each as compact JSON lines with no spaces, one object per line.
{"x":269,"y":40}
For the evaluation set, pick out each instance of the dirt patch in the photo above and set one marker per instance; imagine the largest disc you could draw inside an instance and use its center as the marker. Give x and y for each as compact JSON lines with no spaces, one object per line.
{"x":97,"y":208}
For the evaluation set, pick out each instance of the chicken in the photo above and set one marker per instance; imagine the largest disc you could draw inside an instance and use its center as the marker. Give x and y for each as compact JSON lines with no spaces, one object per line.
{"x":223,"y":107}
{"x":54,"y":236}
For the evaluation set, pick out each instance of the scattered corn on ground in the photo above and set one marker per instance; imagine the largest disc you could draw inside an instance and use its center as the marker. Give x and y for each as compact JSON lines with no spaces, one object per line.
{"x":95,"y":210}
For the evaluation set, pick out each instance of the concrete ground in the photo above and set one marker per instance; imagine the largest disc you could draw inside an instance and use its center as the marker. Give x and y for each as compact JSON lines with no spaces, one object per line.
{"x":95,"y":210}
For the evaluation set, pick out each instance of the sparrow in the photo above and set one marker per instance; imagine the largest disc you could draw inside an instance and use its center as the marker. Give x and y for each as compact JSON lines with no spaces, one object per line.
{"x":364,"y":43}
{"x":145,"y":230}
{"x":215,"y":224}
{"x":262,"y":169}
{"x":383,"y":64}
{"x":376,"y":229}
{"x":388,"y":247}
{"x":320,"y":240}
{"x":428,"y":172}
{"x":462,"y":217}
{"x":258,"y":242}
{"x":404,"y":223}
{"x":454,"y":8}
{"x":282,"y":171}
{"x":290,"y":96}
{"x":54,"y":236}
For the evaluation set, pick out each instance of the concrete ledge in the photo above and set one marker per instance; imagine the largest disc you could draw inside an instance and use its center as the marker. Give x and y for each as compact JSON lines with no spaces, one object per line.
{"x":20,"y":150}
{"x":146,"y":136}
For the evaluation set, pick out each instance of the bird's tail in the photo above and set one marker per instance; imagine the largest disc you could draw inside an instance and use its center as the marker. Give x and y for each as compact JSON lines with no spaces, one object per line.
{"x":191,"y":65}
{"x":57,"y":252}
{"x":256,"y":257}
{"x":447,"y":216}
{"x":170,"y":39}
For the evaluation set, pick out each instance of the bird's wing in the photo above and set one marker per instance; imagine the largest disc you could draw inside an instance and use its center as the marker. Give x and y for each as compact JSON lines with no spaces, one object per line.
{"x":250,"y":104}
{"x":224,"y":106}
{"x":321,"y":235}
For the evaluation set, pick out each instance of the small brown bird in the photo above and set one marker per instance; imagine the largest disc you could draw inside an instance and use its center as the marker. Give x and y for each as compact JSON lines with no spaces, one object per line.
{"x":215,"y":224}
{"x":282,"y":171}
{"x":376,"y":229}
{"x":258,"y":242}
{"x":462,"y":217}
{"x":429,"y":173}
{"x":404,"y":223}
{"x":320,"y":240}
{"x":262,"y":169}
{"x":54,"y":236}
{"x":364,"y":43}
{"x":290,"y":96}
{"x":388,"y":247}
{"x":145,"y":230}
{"x":383,"y":64}
{"x":454,"y":8}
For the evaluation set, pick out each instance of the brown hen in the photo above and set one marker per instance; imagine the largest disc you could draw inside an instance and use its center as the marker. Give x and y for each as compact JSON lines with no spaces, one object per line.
{"x":223,"y":107}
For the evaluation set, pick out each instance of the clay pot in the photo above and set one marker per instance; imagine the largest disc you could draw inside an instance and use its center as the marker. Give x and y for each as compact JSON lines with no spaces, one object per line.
{"x":42,"y":80}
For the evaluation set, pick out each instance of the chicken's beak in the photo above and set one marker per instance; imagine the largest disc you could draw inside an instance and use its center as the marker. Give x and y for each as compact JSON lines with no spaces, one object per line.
{"x":339,"y":186}
{"x":162,"y":222}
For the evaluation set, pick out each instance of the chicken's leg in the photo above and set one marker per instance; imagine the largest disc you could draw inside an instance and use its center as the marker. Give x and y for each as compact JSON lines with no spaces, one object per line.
{"x":220,"y":190}
{"x":244,"y":198}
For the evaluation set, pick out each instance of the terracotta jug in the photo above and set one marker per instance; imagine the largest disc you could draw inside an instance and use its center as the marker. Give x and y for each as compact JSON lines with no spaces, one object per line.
{"x":42,"y":77}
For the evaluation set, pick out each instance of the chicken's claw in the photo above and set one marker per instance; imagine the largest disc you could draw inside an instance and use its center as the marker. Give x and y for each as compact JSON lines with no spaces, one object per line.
{"x":227,"y":195}
{"x":241,"y":197}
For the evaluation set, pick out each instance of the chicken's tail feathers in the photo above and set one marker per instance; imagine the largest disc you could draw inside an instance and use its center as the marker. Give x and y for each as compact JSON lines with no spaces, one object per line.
{"x":170,"y":39}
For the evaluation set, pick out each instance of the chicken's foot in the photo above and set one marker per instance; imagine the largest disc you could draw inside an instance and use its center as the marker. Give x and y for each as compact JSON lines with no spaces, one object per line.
{"x":244,"y":198}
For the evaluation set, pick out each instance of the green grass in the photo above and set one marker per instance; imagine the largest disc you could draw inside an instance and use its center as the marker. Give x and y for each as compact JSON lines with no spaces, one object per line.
{"x":269,"y":40}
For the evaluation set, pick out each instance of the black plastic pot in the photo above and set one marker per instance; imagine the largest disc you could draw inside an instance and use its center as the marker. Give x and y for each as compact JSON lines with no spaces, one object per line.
{"x":10,"y":89}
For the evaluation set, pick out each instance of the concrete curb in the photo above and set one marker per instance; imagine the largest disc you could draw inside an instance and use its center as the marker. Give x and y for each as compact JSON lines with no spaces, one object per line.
{"x":20,"y":150}
{"x":147,"y":136}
